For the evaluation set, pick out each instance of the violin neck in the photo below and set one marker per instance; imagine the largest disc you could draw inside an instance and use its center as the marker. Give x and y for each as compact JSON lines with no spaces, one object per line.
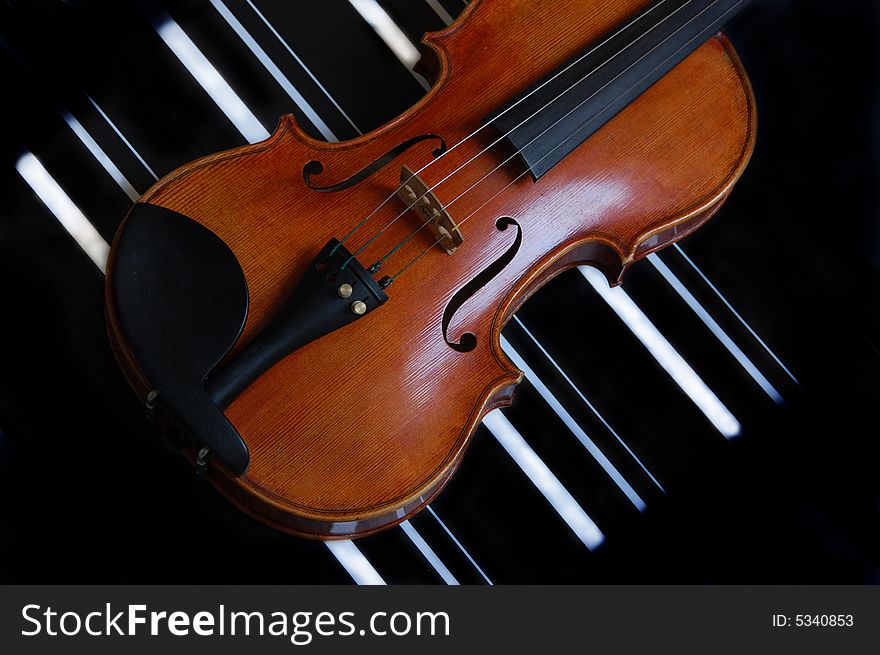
{"x":549,"y":120}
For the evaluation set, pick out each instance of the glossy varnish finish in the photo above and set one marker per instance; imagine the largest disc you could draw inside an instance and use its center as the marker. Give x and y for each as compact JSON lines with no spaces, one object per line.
{"x":360,"y":428}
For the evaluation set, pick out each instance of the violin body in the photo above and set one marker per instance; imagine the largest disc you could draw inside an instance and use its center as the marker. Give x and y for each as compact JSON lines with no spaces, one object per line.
{"x":360,"y":428}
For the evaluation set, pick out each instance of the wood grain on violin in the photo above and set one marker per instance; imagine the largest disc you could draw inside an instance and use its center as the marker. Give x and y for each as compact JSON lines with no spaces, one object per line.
{"x":359,"y":428}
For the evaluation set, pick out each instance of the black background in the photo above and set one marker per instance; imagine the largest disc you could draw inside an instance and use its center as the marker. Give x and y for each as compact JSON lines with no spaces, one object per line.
{"x":87,"y":494}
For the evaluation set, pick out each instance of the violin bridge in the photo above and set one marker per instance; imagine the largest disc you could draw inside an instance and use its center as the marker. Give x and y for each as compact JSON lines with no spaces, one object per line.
{"x":417,"y":195}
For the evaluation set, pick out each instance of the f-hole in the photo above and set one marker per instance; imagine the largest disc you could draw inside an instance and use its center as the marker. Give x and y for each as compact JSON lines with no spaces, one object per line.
{"x":315,"y":167}
{"x":468,"y":340}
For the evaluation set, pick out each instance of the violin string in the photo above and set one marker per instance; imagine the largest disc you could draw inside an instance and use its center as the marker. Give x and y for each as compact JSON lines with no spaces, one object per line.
{"x":482,"y":127}
{"x":418,"y":257}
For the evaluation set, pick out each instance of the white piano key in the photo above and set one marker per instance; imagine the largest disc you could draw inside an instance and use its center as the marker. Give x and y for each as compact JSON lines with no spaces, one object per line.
{"x":122,"y":136}
{"x":428,"y":552}
{"x":99,"y":154}
{"x":210,"y":80}
{"x":460,"y":545}
{"x":701,"y":312}
{"x":354,"y":561}
{"x":302,"y":65}
{"x":274,"y":71}
{"x":541,"y":476}
{"x":573,"y":426}
{"x":669,"y":358}
{"x":404,"y":49}
{"x":735,"y":313}
{"x":588,"y":403}
{"x":68,"y":214}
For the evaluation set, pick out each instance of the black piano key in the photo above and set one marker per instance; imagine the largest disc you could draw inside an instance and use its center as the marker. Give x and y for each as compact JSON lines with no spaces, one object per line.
{"x":454,"y":7}
{"x":397,"y":559}
{"x":413,"y":17}
{"x":48,"y":130}
{"x":731,"y":321}
{"x":451,"y":550}
{"x":738,"y":250}
{"x":596,"y":490}
{"x":614,"y":446}
{"x":122,"y":152}
{"x":87,"y":183}
{"x":266,"y":76}
{"x":727,"y":379}
{"x":508,"y":526}
{"x":238,"y":66}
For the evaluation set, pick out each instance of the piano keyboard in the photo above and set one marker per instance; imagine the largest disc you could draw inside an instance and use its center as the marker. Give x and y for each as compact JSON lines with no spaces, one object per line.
{"x":640,"y":423}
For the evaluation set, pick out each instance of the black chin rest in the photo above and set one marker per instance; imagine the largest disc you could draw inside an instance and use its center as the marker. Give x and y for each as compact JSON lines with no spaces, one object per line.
{"x":181,"y":301}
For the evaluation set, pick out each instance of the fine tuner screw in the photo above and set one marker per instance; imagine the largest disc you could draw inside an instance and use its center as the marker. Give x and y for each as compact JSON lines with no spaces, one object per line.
{"x":359,"y":307}
{"x":345,"y":290}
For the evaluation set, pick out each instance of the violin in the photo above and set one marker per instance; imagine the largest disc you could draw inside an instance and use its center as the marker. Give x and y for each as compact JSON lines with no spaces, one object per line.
{"x":318,"y":323}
